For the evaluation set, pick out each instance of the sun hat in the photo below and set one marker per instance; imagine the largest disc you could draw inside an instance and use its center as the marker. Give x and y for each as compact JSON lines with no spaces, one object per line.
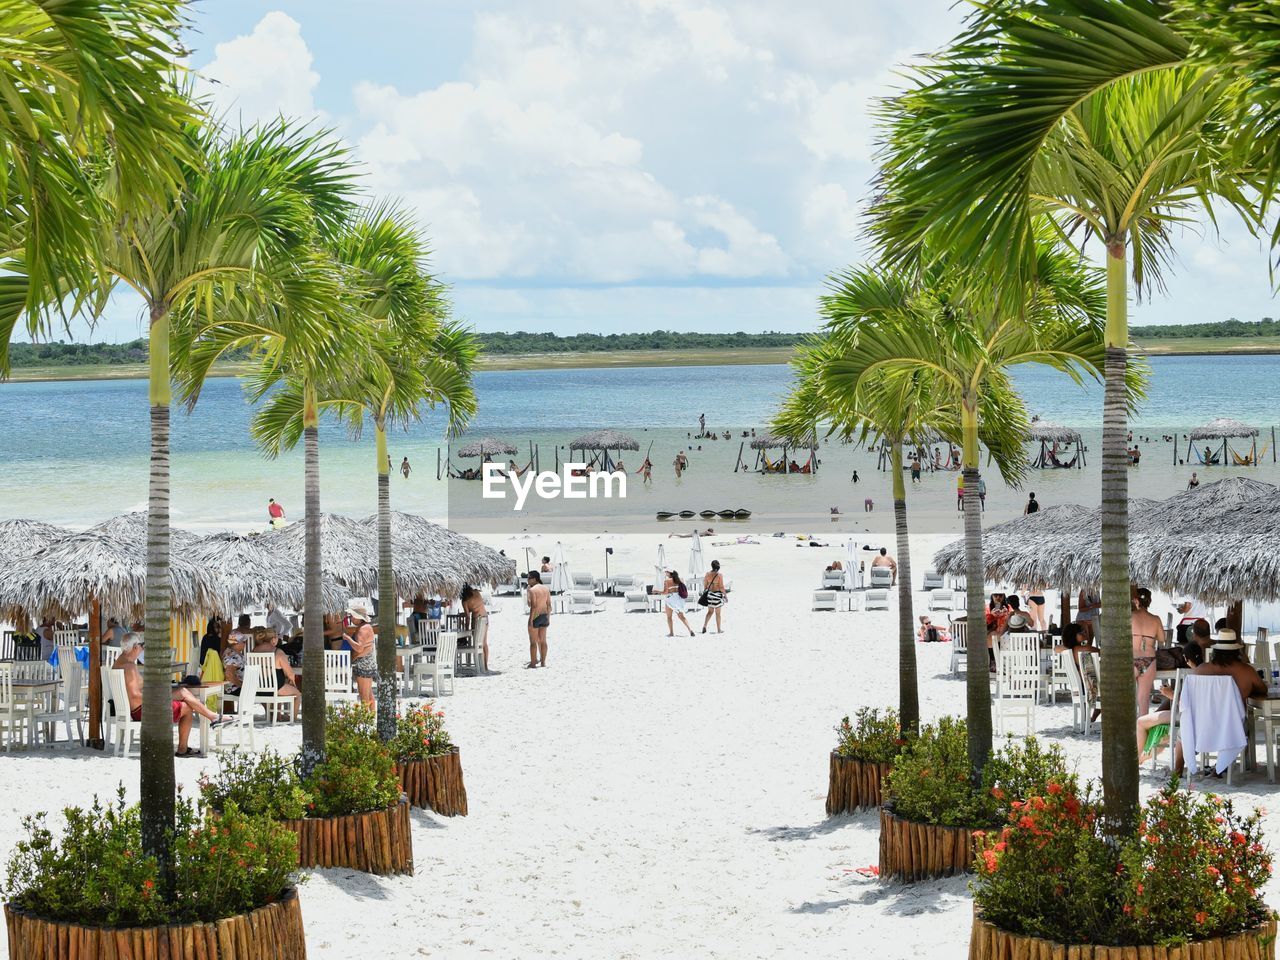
{"x":358,"y":611}
{"x":1227,"y":640}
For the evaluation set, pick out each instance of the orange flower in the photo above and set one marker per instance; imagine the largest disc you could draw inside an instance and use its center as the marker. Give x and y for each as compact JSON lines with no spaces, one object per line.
{"x":990,"y":861}
{"x":1201,"y":916}
{"x":1055,"y":788}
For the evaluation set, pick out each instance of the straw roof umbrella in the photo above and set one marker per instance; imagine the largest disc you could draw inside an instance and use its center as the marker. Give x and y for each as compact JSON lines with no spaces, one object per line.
{"x":430,"y":559}
{"x":487,"y":447}
{"x":134,"y":525}
{"x":253,"y":569}
{"x":1204,"y":565}
{"x":1222,"y":428}
{"x":348,"y":550}
{"x":604,"y":440}
{"x":1028,"y":549}
{"x":769,"y":441}
{"x":21,"y":538}
{"x":1051,"y":432}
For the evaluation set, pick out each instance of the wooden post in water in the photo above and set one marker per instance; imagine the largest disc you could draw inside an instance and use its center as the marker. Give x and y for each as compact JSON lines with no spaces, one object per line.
{"x":742,"y":445}
{"x":437,"y":463}
{"x":1175,"y":448}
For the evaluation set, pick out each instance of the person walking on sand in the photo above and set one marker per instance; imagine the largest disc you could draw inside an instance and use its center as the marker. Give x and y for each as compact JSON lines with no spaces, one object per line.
{"x":405,"y":469}
{"x":539,"y":620}
{"x":675,"y":593}
{"x":364,"y":664}
{"x":713,"y":588}
{"x":275,"y":514}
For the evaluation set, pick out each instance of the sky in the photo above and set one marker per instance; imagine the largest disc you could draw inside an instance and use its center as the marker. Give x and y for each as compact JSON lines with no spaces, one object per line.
{"x":629,"y":165}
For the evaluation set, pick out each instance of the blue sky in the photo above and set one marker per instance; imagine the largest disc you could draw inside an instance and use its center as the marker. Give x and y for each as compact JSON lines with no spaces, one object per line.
{"x":627,"y":165}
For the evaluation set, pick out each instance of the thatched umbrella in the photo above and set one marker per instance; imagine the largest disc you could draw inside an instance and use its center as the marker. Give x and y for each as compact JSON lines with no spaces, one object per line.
{"x":770,"y":441}
{"x":430,"y":559}
{"x":1226,"y":430}
{"x":602,"y":441}
{"x":93,"y":569}
{"x":1049,"y":434}
{"x":487,"y":447}
{"x":21,"y":538}
{"x":1028,"y":549}
{"x":348,"y":551}
{"x":254,"y":569}
{"x":134,"y":525}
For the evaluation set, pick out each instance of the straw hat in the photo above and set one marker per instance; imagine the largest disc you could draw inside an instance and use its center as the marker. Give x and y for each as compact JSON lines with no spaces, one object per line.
{"x":358,"y":611}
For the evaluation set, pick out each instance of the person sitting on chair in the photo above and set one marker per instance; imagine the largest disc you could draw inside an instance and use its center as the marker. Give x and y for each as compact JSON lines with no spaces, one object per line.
{"x":183,"y":702}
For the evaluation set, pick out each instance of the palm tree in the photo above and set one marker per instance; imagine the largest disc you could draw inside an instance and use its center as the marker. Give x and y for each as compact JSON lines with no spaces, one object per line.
{"x":240,"y":216}
{"x":1125,"y":165}
{"x":938,"y":321}
{"x":411,"y":360}
{"x":89,"y":100}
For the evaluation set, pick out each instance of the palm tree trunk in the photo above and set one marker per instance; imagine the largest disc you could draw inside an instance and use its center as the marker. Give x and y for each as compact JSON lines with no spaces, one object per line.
{"x":1119,"y":751}
{"x":386,"y":597}
{"x":156,"y":766}
{"x":908,"y":695}
{"x":977,"y":672}
{"x":313,"y":704}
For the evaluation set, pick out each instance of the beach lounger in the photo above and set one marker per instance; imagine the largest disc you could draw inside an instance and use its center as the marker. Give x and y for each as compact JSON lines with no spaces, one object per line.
{"x":881,"y":577}
{"x":932,"y":580}
{"x":824,"y":600}
{"x":941,"y":599}
{"x":832,"y":579}
{"x":584,"y":601}
{"x":636,"y":601}
{"x":876,"y":600}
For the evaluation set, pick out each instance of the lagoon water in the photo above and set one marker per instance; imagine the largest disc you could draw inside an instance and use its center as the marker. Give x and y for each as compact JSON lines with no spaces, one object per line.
{"x":75,"y":452}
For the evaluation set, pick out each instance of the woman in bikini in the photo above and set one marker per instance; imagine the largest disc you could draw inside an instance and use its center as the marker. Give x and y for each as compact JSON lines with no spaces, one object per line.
{"x":1148,"y":631}
{"x":1035,"y":606}
{"x":713,"y":585}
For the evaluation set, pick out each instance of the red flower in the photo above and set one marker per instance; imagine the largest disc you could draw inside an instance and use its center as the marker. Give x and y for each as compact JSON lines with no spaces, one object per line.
{"x":990,"y":861}
{"x":1055,"y":788}
{"x":1201,"y":916}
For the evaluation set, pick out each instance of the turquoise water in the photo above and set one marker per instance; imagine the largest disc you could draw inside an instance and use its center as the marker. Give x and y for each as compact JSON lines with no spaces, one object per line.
{"x":76,"y":452}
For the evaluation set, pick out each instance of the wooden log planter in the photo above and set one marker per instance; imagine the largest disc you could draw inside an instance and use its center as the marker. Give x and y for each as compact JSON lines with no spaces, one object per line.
{"x":912,"y":851}
{"x":378,"y":841}
{"x":991,"y":943}
{"x":436,"y":784}
{"x":272,"y":931}
{"x":854,"y":784}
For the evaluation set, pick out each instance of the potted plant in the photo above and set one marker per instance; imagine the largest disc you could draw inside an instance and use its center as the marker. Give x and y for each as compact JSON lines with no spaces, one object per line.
{"x":349,"y":812}
{"x":864,"y":754}
{"x":933,"y":813}
{"x":92,"y":893}
{"x":428,"y":764}
{"x":1186,"y":884}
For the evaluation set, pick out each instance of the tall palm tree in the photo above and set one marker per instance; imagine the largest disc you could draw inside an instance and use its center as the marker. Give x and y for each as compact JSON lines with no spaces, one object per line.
{"x":228,"y":234}
{"x":937,"y":320}
{"x":412,"y":361}
{"x":88,"y":100}
{"x":898,"y":408}
{"x":1125,"y":165}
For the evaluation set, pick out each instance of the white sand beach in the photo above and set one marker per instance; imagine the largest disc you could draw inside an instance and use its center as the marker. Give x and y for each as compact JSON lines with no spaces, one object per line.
{"x":643,"y":797}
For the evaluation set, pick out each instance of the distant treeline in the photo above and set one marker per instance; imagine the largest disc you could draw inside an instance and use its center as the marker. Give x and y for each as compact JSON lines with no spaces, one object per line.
{"x":60,"y":354}
{"x":1266,"y":327}
{"x":521,"y":342}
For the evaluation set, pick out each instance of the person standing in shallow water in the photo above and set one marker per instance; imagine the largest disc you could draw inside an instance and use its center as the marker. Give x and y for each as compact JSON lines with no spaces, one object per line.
{"x":1033,"y":505}
{"x":405,"y":468}
{"x":539,"y":620}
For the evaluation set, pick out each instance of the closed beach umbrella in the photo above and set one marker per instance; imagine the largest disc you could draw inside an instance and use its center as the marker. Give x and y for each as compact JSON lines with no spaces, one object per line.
{"x":660,"y":568}
{"x":697,"y":566}
{"x":561,"y":579}
{"x":852,"y":575}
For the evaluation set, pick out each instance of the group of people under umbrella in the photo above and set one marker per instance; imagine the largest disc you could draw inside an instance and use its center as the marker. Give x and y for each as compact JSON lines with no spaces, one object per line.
{"x":48,"y":571}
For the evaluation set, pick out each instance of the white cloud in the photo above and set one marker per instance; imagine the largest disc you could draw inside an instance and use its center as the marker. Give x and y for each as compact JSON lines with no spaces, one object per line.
{"x":262,"y":74}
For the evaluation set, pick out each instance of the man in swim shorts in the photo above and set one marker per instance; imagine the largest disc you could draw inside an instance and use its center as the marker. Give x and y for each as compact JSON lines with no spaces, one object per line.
{"x":183,"y":703}
{"x":539,"y":620}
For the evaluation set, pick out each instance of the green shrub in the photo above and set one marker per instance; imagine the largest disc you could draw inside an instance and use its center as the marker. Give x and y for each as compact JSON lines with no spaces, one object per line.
{"x":259,"y":784}
{"x":875,"y":736}
{"x":420,"y":734}
{"x":1192,"y":871}
{"x":358,"y":772}
{"x":930,"y":780}
{"x":97,"y":875}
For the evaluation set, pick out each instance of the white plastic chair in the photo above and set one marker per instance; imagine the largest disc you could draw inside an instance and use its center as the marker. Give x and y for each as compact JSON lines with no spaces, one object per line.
{"x":1060,"y":677}
{"x":441,"y":667}
{"x":264,"y":664}
{"x":932,"y":580}
{"x":1174,"y":709}
{"x":583,"y":601}
{"x":959,"y":646}
{"x":876,"y":600}
{"x":71,"y":675}
{"x":13,"y":717}
{"x":940,"y":599}
{"x":127,"y":731}
{"x":1212,"y":721}
{"x":881,"y":577}
{"x":1017,"y":685}
{"x":245,"y":703}
{"x":824,"y":600}
{"x":65,"y":638}
{"x":338,"y":684}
